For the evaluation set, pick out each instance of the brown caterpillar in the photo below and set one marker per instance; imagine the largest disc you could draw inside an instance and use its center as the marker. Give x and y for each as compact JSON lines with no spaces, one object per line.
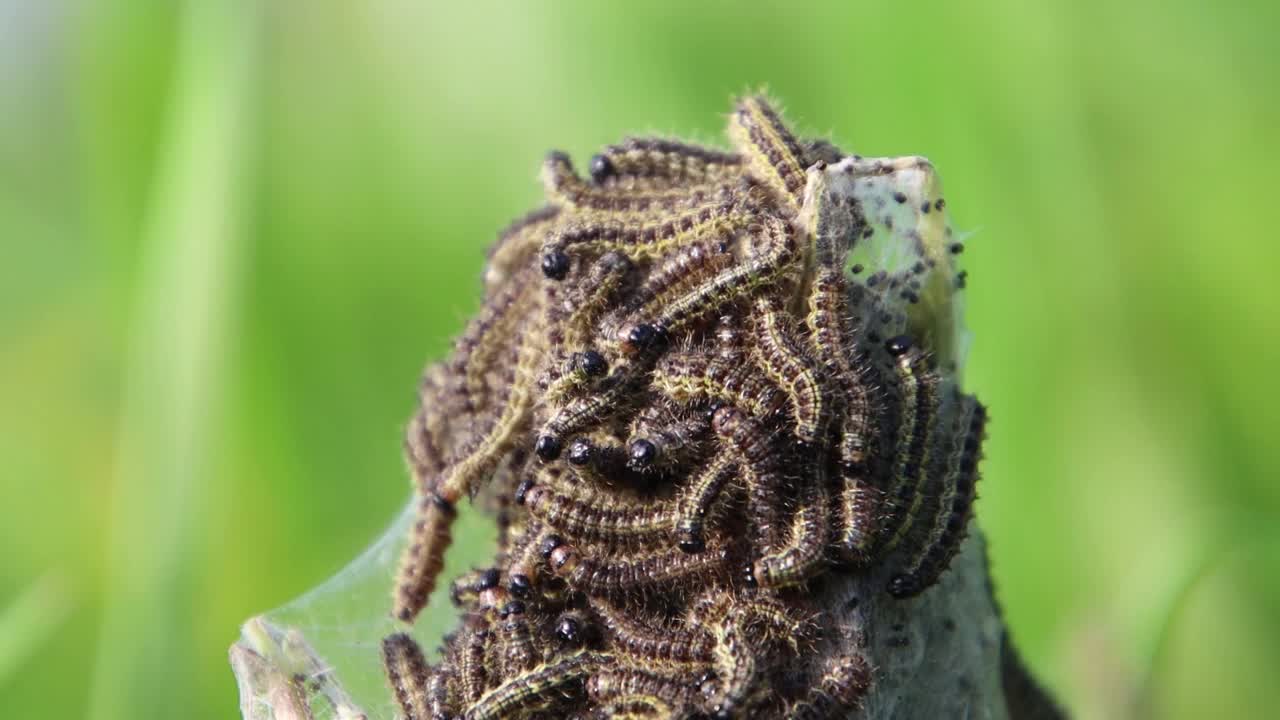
{"x":599,"y":517}
{"x":531,"y":688}
{"x":409,"y":676}
{"x":918,"y":415}
{"x":564,"y":187}
{"x":764,"y":269}
{"x":643,"y":690}
{"x":804,"y":553}
{"x":620,"y":576}
{"x":773,"y":152}
{"x":670,"y":160}
{"x":630,"y":636}
{"x":698,"y":500}
{"x":650,"y":238}
{"x":777,"y":351}
{"x":692,"y":377}
{"x":841,"y":687}
{"x":955,"y":505}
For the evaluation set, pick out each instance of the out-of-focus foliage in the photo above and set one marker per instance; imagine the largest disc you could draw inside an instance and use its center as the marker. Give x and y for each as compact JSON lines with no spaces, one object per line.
{"x":232,"y":232}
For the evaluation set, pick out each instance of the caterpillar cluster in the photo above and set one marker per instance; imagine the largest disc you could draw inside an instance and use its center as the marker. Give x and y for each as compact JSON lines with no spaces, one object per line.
{"x":691,"y":408}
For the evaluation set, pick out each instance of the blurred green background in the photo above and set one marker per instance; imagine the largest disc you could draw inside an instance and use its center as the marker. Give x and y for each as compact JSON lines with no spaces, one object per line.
{"x":231,"y":233}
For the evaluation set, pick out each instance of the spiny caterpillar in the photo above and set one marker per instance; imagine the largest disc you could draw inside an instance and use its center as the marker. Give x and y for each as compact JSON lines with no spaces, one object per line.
{"x":701,"y":381}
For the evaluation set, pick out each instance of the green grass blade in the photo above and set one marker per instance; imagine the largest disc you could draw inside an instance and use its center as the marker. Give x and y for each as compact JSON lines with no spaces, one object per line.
{"x":172,"y":378}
